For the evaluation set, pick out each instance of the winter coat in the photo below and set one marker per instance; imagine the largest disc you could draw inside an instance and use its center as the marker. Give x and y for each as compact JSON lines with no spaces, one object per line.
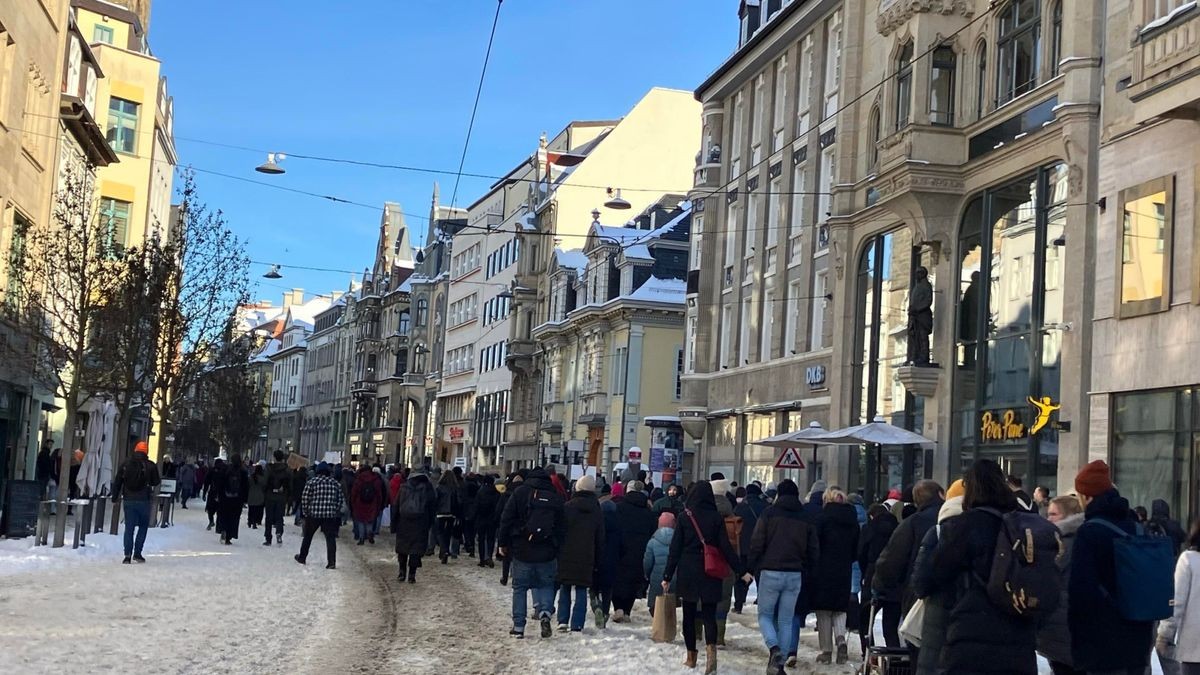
{"x":939,"y":602}
{"x":362,"y":508}
{"x":1161,"y":523}
{"x":614,"y":547}
{"x":222,"y":478}
{"x":469,"y":493}
{"x":214,"y":476}
{"x":895,"y":563}
{"x":299,"y":478}
{"x":654,"y":562}
{"x":43,"y":469}
{"x":485,"y":507}
{"x":1053,"y":636}
{"x":1183,"y":628}
{"x":448,"y":499}
{"x":584,"y":542}
{"x":749,"y":510}
{"x":412,"y":530}
{"x":638,"y":524}
{"x":516,"y":512}
{"x":871,"y":541}
{"x":278,"y":487}
{"x":394,"y":484}
{"x":784,"y":539}
{"x":168,"y":470}
{"x":256,"y":490}
{"x":813,"y":506}
{"x":980,"y":637}
{"x":686,"y":558}
{"x":120,"y":482}
{"x":837,"y":534}
{"x":1100,"y":638}
{"x":186,"y":477}
{"x":668,"y":504}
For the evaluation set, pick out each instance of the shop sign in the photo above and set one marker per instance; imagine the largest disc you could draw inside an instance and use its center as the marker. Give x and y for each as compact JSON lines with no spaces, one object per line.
{"x":457,"y":433}
{"x":815,"y":376}
{"x":1009,"y":424}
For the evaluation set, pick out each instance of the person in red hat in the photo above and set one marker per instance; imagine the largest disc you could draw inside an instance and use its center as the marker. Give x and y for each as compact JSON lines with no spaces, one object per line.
{"x":136,"y":481}
{"x":1101,"y":639}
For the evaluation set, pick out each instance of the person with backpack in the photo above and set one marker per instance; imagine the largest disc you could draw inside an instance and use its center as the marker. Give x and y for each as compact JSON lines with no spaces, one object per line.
{"x":413,"y":513}
{"x":367,"y":498}
{"x":750,"y":508}
{"x":1102,"y":638}
{"x":783,"y":546}
{"x":232,"y":488}
{"x":981,"y":635}
{"x":1161,"y":524}
{"x":533,"y":528}
{"x":577,"y":557}
{"x":1179,"y":636}
{"x":485,"y":519}
{"x":638,"y":524}
{"x":699,"y":546}
{"x":837,"y":535}
{"x":448,"y":509}
{"x":137,"y":482}
{"x":278,"y":495}
{"x":322,"y":505}
{"x":256,"y":497}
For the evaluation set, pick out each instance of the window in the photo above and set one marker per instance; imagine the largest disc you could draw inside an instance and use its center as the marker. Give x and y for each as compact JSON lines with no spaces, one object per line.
{"x":122,"y":125}
{"x":74,"y":67}
{"x":382,"y":408}
{"x":620,"y":363}
{"x":691,"y":343}
{"x":768,"y":325}
{"x":825,"y":199}
{"x":777,"y":120}
{"x":753,"y":226}
{"x":817,"y":327}
{"x":731,"y":228}
{"x":16,"y":258}
{"x":803,"y":93}
{"x":114,"y":226}
{"x":756,"y":121}
{"x":791,"y":319}
{"x":726,"y":335}
{"x":422,"y":313}
{"x":904,"y":86}
{"x":775,"y":218}
{"x":1019,"y":49}
{"x":1153,"y":434}
{"x":697,"y":235}
{"x":1146,"y":223}
{"x":1161,"y":9}
{"x":980,"y":80}
{"x":102,"y":34}
{"x":738,"y":133}
{"x":679,"y":373}
{"x":744,"y":334}
{"x":1056,"y":38}
{"x":941,"y":87}
{"x":799,"y":213}
{"x":833,"y":64}
{"x":874,"y":125}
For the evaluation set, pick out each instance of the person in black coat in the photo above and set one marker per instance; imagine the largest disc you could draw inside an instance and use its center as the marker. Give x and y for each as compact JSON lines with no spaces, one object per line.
{"x":211,"y":496}
{"x":1160,"y":523}
{"x":470,"y":513}
{"x":608,"y":559}
{"x":699,"y":525}
{"x":577,"y":558}
{"x":1101,"y":639}
{"x":980,"y":637}
{"x":232,"y":488}
{"x":837,"y":536}
{"x":510,"y":485}
{"x":893,"y":568}
{"x":749,"y":510}
{"x":638,"y":524}
{"x":413,"y":513}
{"x":449,"y":510}
{"x":873,"y":538}
{"x":485,"y":520}
{"x":299,"y":478}
{"x":534,"y":552}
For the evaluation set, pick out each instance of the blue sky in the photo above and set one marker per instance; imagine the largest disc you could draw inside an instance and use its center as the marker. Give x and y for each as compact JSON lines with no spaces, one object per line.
{"x":393,"y":81}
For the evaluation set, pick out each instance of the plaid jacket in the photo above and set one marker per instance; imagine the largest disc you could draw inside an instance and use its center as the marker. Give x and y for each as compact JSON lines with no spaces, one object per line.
{"x":322,"y":498}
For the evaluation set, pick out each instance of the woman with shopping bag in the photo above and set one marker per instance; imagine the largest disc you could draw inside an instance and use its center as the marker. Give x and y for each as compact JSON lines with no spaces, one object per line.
{"x":654,"y":564}
{"x":703,"y":557}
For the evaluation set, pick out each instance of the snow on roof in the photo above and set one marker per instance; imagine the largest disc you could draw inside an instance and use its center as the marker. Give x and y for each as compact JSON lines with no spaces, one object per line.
{"x":638,"y":252}
{"x":660,"y":418}
{"x":526,"y":222}
{"x":574,"y":259}
{"x":660,"y":290}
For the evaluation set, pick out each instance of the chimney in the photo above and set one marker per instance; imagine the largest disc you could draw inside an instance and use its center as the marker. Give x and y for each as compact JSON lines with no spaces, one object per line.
{"x":293,"y":297}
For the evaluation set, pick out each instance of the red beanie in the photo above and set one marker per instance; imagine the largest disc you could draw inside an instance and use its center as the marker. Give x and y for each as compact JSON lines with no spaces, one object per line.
{"x":1093,"y":479}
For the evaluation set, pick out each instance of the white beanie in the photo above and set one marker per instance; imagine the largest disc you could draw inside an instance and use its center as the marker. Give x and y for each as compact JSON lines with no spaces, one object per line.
{"x":720,"y":487}
{"x":585,"y":484}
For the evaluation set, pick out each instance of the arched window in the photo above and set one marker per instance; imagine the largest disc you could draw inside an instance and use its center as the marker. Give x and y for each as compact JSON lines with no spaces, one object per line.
{"x":981,"y":79}
{"x":904,"y":86}
{"x":941,"y":86}
{"x":1056,"y":38}
{"x":875,"y":126}
{"x":1018,"y":47}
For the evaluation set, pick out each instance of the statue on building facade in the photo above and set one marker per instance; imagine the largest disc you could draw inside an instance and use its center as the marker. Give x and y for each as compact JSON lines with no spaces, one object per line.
{"x":920,"y":319}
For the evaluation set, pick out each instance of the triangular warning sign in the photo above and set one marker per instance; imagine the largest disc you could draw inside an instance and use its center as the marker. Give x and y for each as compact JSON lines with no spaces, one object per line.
{"x":789,"y":459}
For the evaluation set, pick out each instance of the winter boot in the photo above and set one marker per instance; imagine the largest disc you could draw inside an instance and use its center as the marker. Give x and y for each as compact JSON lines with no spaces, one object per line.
{"x":774,"y":662}
{"x":279,"y":539}
{"x":824,"y":657}
{"x":517,"y":633}
{"x":710,"y":659}
{"x":690,"y":660}
{"x":403,"y":574}
{"x":126,"y":560}
{"x":137,"y":558}
{"x":298,"y":559}
{"x":412,"y":575}
{"x":267,"y":542}
{"x":720,"y":633}
{"x":842,"y":655}
{"x":546,"y":630}
{"x":563,"y":628}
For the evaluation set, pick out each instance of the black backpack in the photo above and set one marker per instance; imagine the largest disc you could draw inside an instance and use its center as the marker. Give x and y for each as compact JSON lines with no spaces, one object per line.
{"x":136,"y":479}
{"x":233,"y":485}
{"x":540,"y":516}
{"x":368,"y":493}
{"x":1025,"y":580}
{"x":409,"y":502}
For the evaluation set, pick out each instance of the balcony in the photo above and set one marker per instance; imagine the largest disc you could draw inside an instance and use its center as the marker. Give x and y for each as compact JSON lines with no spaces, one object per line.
{"x":1166,"y":54}
{"x":364,"y":386}
{"x":593,"y":409}
{"x":520,"y":355}
{"x":552,"y":417}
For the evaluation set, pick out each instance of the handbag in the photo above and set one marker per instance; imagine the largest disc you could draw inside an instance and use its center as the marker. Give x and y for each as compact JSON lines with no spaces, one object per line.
{"x":715,"y":565}
{"x":910,"y":628}
{"x":663,"y":628}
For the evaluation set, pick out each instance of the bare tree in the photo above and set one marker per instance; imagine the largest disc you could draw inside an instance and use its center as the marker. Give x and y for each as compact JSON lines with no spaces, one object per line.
{"x":59,"y":288}
{"x":230,"y":399}
{"x":207,"y":285}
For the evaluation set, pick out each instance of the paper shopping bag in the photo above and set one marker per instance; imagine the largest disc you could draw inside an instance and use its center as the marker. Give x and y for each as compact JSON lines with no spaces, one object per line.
{"x":663,"y":629}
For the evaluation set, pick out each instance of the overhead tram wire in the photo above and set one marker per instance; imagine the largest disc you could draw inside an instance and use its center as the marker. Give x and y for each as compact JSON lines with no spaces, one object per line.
{"x":487,"y":56}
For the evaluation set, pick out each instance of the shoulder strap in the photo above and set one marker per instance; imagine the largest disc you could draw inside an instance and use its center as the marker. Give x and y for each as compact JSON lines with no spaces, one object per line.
{"x":695,"y":527}
{"x":1114,"y":528}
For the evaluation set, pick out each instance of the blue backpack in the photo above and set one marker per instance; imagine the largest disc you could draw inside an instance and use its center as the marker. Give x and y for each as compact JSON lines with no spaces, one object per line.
{"x":1145,"y":576}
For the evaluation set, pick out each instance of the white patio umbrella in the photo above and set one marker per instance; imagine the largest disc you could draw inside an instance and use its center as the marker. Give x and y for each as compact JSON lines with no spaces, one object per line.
{"x":95,"y":473}
{"x":106,"y":446}
{"x":792,"y":439}
{"x":878,"y":433}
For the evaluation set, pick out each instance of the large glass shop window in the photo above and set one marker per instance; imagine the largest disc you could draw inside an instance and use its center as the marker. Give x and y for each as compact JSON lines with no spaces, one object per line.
{"x":1009,"y":325}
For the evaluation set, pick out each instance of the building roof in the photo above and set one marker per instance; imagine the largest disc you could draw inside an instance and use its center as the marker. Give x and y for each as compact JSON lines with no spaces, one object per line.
{"x":660,"y":290}
{"x":575,"y":259}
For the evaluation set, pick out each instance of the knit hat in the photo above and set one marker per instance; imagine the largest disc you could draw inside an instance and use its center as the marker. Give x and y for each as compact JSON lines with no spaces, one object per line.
{"x":818,"y":486}
{"x":141,"y":447}
{"x":957,"y":489}
{"x":666,"y":519}
{"x":753,"y":489}
{"x":1093,"y":479}
{"x":635,"y":486}
{"x":585,"y":484}
{"x":788,"y":488}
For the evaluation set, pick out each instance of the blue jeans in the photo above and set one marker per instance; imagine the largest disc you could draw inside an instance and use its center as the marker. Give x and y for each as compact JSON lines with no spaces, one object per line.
{"x":777,"y":593}
{"x":578,"y":612}
{"x":536,"y":577}
{"x":137,"y":515}
{"x":362,"y":530}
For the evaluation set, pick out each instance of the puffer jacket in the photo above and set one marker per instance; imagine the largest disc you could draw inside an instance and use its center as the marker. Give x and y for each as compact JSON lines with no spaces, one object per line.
{"x":937,"y":602}
{"x":256,"y":494}
{"x":1183,"y":628}
{"x":654,"y":562}
{"x":1054,"y":637}
{"x":784,"y":539}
